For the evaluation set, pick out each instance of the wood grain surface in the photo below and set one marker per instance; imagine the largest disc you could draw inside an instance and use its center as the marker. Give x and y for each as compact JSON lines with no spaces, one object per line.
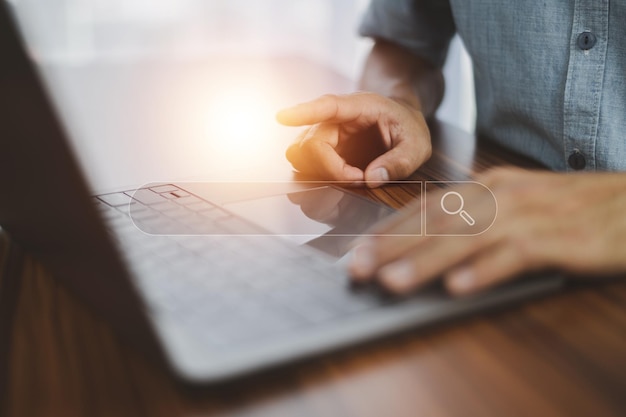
{"x":562,"y":355}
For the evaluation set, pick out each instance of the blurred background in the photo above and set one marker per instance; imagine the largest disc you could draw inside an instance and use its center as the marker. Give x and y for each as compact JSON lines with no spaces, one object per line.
{"x":85,"y":48}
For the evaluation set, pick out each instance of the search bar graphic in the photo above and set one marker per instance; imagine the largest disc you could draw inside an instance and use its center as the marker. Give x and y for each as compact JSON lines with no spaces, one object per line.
{"x":458,"y":208}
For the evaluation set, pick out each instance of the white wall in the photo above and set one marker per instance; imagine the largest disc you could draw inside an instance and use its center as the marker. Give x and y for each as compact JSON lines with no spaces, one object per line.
{"x":79,"y":30}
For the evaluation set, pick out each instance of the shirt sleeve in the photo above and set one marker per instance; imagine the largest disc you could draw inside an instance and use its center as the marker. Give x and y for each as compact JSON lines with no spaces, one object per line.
{"x":425,"y":27}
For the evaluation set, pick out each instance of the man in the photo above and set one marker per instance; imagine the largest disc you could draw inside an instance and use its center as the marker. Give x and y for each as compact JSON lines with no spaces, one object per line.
{"x":550,"y":83}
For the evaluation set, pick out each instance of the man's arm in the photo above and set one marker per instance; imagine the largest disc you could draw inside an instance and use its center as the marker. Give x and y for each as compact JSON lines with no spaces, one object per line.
{"x":392,"y":71}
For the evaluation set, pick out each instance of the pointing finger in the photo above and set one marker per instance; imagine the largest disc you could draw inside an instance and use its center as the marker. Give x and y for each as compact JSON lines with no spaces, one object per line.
{"x":332,"y":109}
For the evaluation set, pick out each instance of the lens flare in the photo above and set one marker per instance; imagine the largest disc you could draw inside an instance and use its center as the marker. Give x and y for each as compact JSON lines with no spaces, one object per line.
{"x":238,"y":123}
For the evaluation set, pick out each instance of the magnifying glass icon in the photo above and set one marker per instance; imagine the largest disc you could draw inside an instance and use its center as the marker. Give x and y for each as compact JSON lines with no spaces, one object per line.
{"x":464,"y":214}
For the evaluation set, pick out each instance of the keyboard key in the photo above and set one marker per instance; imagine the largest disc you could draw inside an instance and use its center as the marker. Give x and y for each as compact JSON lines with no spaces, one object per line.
{"x":235,"y":226}
{"x":166,"y":206}
{"x":167,"y":188}
{"x":189,"y":199}
{"x":202,"y":206}
{"x":146,"y":196}
{"x":110,"y":213}
{"x":100,"y":205}
{"x":180,"y":193}
{"x":143,"y":215}
{"x":115,"y":199}
{"x":159,"y":226}
{"x":132,"y":207}
{"x":214,"y":214}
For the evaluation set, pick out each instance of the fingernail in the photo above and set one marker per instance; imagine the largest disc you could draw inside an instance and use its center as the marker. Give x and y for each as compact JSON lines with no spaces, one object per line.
{"x":362,"y":263}
{"x":400,"y":274}
{"x":462,"y":279}
{"x":379,"y":175}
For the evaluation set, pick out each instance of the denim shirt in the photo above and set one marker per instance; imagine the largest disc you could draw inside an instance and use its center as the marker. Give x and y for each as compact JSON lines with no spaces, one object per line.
{"x":550,"y":75}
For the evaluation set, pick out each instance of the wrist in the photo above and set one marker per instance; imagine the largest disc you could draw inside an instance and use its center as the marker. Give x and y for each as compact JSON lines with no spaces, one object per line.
{"x":410,"y":103}
{"x":408,"y":100}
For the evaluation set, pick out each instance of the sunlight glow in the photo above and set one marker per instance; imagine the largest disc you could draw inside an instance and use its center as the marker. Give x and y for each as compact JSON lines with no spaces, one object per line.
{"x":238,"y":123}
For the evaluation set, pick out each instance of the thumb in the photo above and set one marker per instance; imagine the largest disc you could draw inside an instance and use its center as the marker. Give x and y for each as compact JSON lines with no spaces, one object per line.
{"x":396,"y":164}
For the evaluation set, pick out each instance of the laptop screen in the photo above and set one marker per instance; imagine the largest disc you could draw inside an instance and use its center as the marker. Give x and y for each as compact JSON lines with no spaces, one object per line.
{"x":161,"y":90}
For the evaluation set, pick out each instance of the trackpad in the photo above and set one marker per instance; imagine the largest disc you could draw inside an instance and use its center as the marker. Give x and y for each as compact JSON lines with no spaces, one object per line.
{"x":326,"y":218}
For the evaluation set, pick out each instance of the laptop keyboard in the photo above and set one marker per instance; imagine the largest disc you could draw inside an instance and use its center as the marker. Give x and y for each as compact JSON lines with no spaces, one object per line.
{"x":233,"y":284}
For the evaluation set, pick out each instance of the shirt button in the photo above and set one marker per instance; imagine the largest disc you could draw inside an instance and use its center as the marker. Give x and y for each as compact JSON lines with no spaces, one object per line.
{"x":586,"y":40}
{"x":577,"y":160}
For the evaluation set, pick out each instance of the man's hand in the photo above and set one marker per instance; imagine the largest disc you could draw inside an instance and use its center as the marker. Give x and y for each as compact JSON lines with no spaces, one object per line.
{"x":334,"y":121}
{"x":572,"y":222}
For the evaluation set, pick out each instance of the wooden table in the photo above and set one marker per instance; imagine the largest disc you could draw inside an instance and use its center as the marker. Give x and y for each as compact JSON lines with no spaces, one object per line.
{"x":564,"y":354}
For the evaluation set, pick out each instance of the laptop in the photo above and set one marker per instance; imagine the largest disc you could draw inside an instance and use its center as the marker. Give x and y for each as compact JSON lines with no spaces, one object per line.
{"x":187,"y":272}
